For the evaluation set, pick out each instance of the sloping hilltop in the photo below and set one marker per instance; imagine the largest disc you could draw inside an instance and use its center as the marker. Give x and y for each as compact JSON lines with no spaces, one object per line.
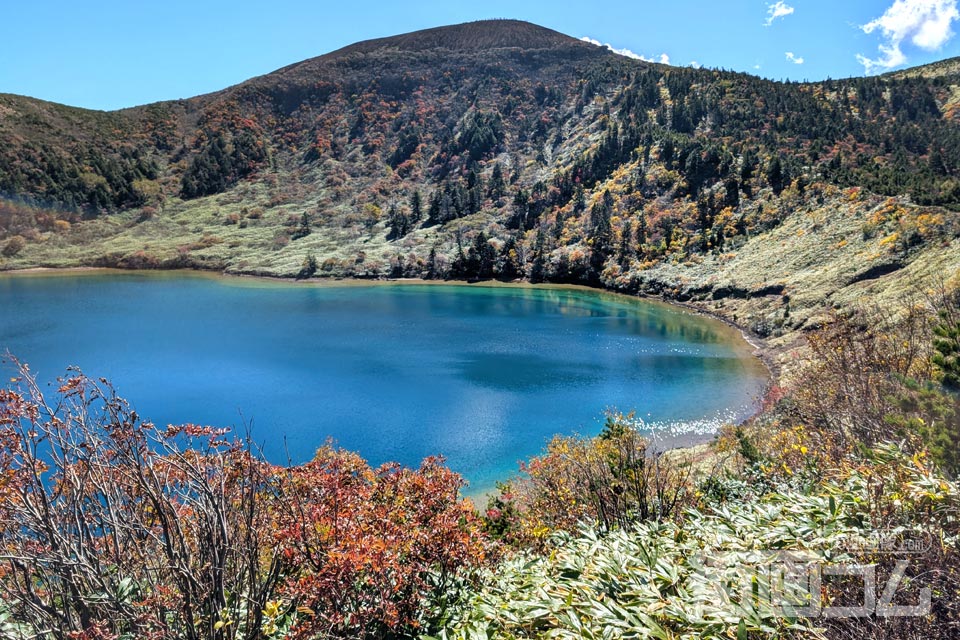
{"x":501,"y":149}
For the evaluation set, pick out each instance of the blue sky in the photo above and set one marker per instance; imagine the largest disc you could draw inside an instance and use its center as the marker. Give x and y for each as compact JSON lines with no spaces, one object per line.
{"x":107,"y":54}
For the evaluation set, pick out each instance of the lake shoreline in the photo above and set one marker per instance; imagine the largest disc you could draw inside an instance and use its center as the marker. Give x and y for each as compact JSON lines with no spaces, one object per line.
{"x":753,"y":346}
{"x":761,"y":349}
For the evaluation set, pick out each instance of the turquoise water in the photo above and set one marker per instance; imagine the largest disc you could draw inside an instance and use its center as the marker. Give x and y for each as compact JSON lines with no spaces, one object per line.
{"x":483,"y":375}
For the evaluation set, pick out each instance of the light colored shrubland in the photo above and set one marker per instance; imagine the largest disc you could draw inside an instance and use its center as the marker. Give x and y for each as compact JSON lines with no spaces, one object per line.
{"x":708,"y":577}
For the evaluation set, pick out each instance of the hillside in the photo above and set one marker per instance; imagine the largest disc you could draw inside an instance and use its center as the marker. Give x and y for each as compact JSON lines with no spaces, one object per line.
{"x":501,"y":149}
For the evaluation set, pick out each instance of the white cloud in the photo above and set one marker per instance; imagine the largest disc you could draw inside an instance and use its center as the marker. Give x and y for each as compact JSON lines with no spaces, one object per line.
{"x":794,"y":59}
{"x":695,"y":64}
{"x":779,"y":9}
{"x":622,"y":52}
{"x":662,"y":58}
{"x":924,"y":23}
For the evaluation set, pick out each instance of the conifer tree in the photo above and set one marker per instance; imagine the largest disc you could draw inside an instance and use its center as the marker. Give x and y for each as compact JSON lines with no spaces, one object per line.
{"x":416,"y":207}
{"x":600,"y":233}
{"x":498,"y":186}
{"x":625,"y":249}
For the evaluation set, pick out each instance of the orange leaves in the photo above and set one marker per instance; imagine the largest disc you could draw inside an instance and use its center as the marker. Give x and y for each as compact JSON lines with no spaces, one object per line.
{"x":331,"y":548}
{"x":14,"y":408}
{"x":71,"y":386}
{"x":372,"y":541}
{"x":195,"y":431}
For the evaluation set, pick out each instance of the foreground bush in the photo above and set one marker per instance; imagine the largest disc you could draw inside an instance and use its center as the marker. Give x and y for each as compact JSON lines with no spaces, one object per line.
{"x":111,"y":527}
{"x":615,"y":480}
{"x":716,"y":576}
{"x":372,"y":544}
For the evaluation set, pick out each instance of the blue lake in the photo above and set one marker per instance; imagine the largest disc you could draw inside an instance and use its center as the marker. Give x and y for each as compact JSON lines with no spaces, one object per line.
{"x":483,"y":375}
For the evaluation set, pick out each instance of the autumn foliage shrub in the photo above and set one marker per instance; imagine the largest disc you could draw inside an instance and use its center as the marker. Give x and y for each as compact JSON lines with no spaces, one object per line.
{"x":14,"y":246}
{"x":615,"y":480}
{"x":876,"y":377}
{"x":111,"y":527}
{"x":372,"y":544}
{"x":857,"y":363}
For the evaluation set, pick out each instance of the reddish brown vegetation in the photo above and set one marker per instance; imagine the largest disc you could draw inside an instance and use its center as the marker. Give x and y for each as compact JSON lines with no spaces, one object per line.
{"x":112,"y":526}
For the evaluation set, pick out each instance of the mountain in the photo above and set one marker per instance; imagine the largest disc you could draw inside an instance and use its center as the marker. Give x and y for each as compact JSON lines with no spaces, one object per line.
{"x":480,"y":36}
{"x":501,"y":149}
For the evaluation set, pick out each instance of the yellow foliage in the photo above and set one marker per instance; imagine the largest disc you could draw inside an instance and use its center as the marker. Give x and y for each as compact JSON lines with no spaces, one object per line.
{"x":890,"y":239}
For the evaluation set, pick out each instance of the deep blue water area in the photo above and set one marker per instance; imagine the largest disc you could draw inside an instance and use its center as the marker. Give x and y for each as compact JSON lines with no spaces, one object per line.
{"x":483,"y":375}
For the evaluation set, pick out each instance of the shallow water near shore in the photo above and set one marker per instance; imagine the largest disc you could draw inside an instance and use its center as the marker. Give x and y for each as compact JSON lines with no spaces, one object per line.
{"x":483,"y":375}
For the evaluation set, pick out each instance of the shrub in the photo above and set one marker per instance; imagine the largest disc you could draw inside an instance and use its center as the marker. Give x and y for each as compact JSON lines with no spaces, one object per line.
{"x":858,"y":363}
{"x":112,"y":527}
{"x":946,"y":341}
{"x":14,"y":246}
{"x":615,"y":480}
{"x":308,"y":268}
{"x":715,"y":576}
{"x":373,"y":544}
{"x":280,"y":240}
{"x":876,"y":377}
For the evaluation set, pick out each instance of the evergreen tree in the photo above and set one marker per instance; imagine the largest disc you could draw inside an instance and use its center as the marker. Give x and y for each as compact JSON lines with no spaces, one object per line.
{"x":776,"y":175}
{"x":303,"y":230}
{"x":396,"y":266}
{"x":308,"y":268}
{"x":641,"y":233}
{"x":498,"y":186}
{"x":625,"y":249}
{"x":521,"y":210}
{"x":509,"y":265}
{"x":398,"y":223}
{"x":480,"y":134}
{"x":433,"y":214}
{"x":600,"y":236}
{"x":579,"y":200}
{"x":558,"y":225}
{"x":666,"y":153}
{"x":416,"y":208}
{"x":482,"y":256}
{"x":747,"y":166}
{"x":732,"y":188}
{"x":538,"y":271}
{"x":432,"y":270}
{"x":459,"y":268}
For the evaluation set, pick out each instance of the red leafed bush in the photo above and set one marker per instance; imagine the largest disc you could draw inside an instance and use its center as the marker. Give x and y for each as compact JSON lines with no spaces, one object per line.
{"x":112,"y":527}
{"x":372,"y":544}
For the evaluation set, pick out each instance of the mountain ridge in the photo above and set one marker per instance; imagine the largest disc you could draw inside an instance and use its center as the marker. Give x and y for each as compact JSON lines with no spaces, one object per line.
{"x":467,"y":36}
